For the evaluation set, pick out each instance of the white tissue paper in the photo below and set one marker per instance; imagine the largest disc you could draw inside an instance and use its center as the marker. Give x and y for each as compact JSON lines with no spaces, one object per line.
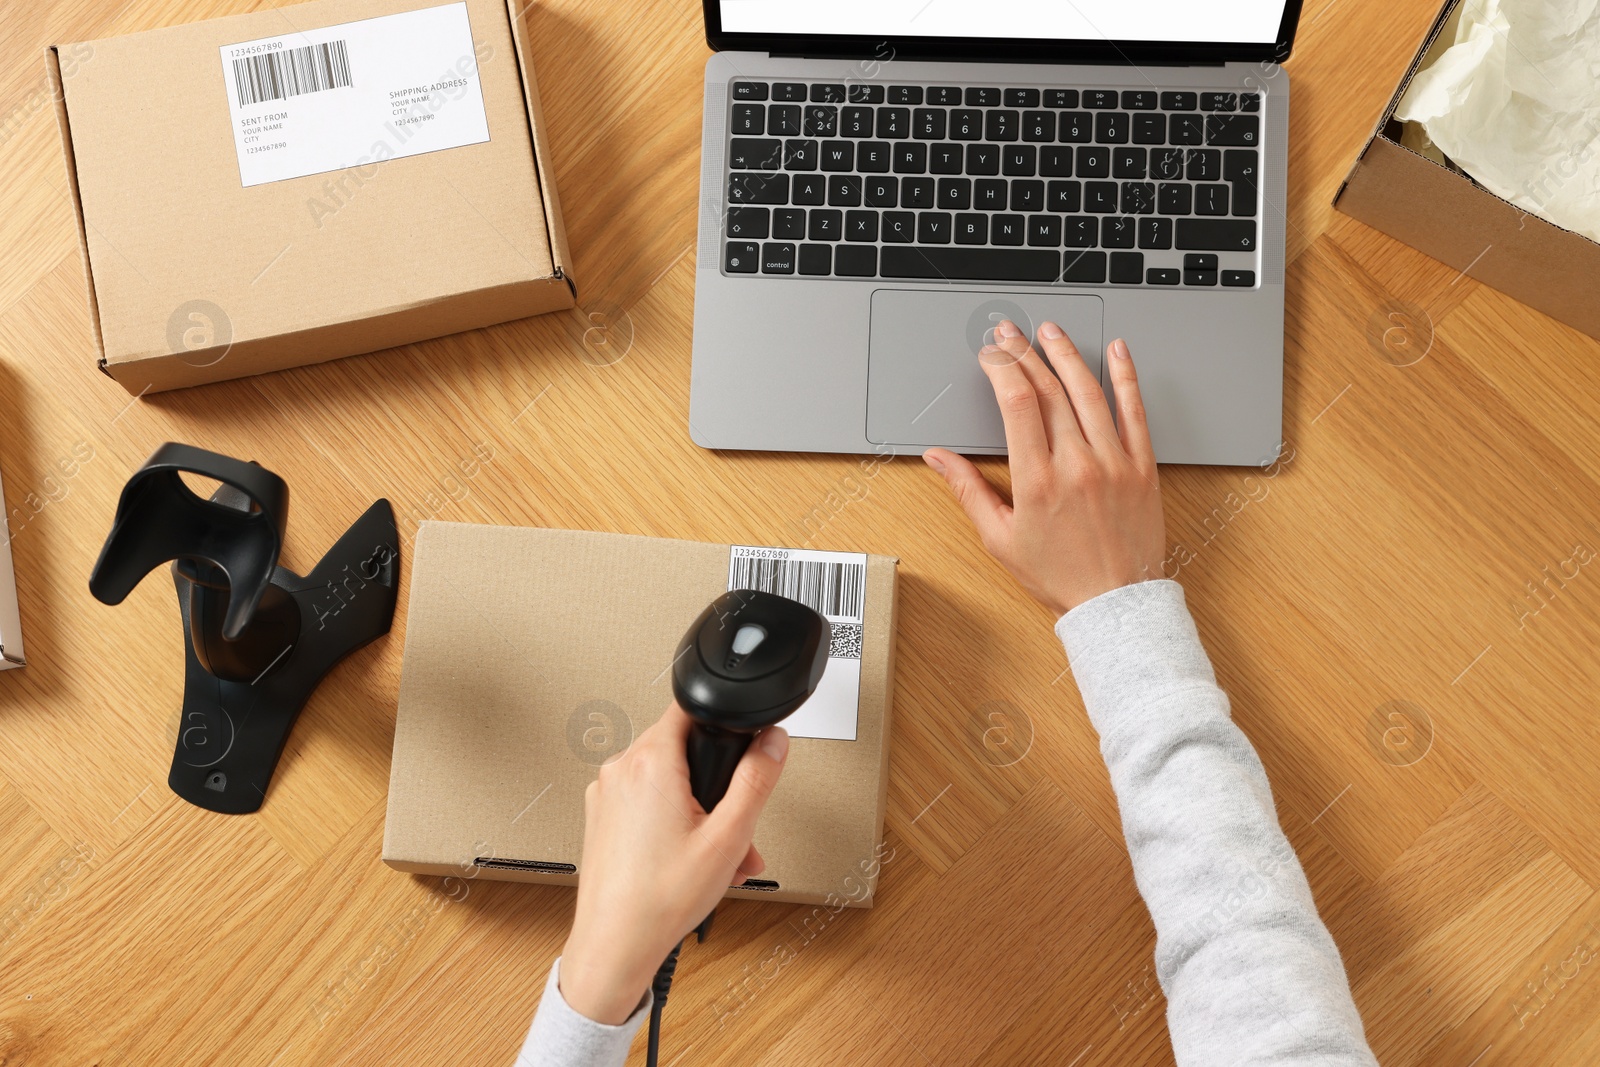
{"x":1515,"y":102}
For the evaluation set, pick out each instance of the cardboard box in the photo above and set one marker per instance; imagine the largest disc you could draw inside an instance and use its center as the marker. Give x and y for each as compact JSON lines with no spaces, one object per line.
{"x":298,"y":184}
{"x":10,"y":618}
{"x":1444,"y":214}
{"x":533,"y":655}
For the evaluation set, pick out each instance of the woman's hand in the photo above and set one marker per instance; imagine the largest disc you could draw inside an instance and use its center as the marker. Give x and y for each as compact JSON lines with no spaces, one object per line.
{"x":655,"y":864}
{"x":1086,"y":511}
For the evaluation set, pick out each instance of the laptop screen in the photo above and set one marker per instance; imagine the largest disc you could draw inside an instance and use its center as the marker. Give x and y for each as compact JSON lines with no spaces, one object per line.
{"x":1127,"y":29}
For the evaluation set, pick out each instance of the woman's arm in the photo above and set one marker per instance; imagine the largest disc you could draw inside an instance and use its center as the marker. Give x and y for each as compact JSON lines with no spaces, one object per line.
{"x":1251,"y":974}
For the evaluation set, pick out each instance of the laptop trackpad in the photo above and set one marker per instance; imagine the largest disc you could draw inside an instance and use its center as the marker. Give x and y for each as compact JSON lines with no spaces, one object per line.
{"x":924,"y":384}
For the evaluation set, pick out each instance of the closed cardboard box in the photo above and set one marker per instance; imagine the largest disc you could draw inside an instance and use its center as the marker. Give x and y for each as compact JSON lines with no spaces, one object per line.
{"x":534,"y":655}
{"x":293,"y":185}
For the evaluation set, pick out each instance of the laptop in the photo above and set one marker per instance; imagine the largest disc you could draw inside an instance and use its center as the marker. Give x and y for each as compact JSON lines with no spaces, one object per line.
{"x":883,"y":181}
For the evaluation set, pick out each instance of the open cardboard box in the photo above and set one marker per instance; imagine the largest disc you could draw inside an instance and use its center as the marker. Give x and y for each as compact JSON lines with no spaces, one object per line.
{"x":1443,"y":213}
{"x":384,"y":207}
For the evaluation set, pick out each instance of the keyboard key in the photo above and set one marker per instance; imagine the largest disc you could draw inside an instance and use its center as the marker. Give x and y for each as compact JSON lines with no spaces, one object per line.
{"x":1111,"y":127}
{"x":1038,"y":126}
{"x":1127,"y":268}
{"x":1002,"y":125}
{"x":750,"y":153}
{"x":916,"y":192}
{"x":788,"y":223}
{"x":1249,"y":102}
{"x":1027,"y":196}
{"x":809,"y":189}
{"x":927,"y":124}
{"x":816,"y":259}
{"x":827,"y":94}
{"x":910,"y":157}
{"x":793,"y":92}
{"x":955,"y":194}
{"x":978,"y":264}
{"x":1199,"y":277}
{"x":856,"y":122}
{"x":825,"y":224}
{"x":1139,"y":99}
{"x":1155,"y":232}
{"x":783,"y":120}
{"x":899,"y":227}
{"x":933,"y":228}
{"x":1065,"y":198}
{"x":983,"y":159}
{"x":1203,"y":165}
{"x":742,"y":257}
{"x":1179,"y":101}
{"x":1199,"y":261}
{"x":749,"y":222}
{"x":1076,"y":127}
{"x":1212,"y":199}
{"x":1173,"y":199}
{"x":1166,"y":164}
{"x":855,"y":261}
{"x":1161,"y":276}
{"x":1185,"y":129}
{"x":1149,"y":129}
{"x":1224,"y":235}
{"x":865,"y":93}
{"x":894,"y":123}
{"x":881,"y":192}
{"x":972,"y":229}
{"x":966,"y":124}
{"x":1055,"y":162}
{"x":872,"y":157}
{"x":750,"y":187}
{"x":905,"y":94}
{"x":1008,"y":230}
{"x":990,"y":194}
{"x":1219,"y":101}
{"x":1020,"y":161}
{"x":1061,"y":98}
{"x":1085,"y":268}
{"x":777,"y":258}
{"x":748,"y":119}
{"x":1099,"y":99}
{"x":1239,"y":278}
{"x":1128,"y":162}
{"x":1044,"y":231}
{"x":1118,"y":232}
{"x":1022,"y":98}
{"x":844,"y":190}
{"x":1239,"y":165}
{"x":750,"y":90}
{"x":1244,"y":199}
{"x":821,"y":121}
{"x":1242,"y":130}
{"x":983,"y":97}
{"x":800,"y":155}
{"x":861,"y":226}
{"x":944,"y":95}
{"x":1080,"y":232}
{"x":1138,"y":198}
{"x":946,"y":159}
{"x":838,"y":156}
{"x":1100,"y":198}
{"x":1094,"y":162}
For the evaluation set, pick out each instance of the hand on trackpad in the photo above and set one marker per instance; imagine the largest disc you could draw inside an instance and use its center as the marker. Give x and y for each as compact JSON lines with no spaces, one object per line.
{"x":924,"y":384}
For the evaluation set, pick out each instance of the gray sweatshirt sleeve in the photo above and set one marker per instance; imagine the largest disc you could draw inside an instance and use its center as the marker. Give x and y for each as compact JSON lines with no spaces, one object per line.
{"x":560,"y":1037}
{"x":1250,"y":973}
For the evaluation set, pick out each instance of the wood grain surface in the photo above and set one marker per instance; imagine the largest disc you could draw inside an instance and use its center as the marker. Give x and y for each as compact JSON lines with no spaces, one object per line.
{"x":1393,"y":608}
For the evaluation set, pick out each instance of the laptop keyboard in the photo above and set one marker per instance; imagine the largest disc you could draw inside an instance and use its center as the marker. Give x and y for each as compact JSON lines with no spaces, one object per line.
{"x":980,"y":183}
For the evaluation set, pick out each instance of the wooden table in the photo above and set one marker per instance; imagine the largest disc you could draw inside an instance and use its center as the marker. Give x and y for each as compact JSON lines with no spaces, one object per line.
{"x":1385,"y":607}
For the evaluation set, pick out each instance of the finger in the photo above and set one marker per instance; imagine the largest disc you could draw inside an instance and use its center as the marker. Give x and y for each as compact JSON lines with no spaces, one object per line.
{"x":1088,"y":399}
{"x":732,"y":823}
{"x":669,"y":731}
{"x":752,"y":866}
{"x":1132,"y":425}
{"x":1019,"y":408}
{"x":990,"y":514}
{"x":1061,"y":426}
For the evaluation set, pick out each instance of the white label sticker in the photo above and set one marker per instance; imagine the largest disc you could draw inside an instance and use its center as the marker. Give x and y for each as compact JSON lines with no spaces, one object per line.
{"x":354,"y":95}
{"x":835,"y":585}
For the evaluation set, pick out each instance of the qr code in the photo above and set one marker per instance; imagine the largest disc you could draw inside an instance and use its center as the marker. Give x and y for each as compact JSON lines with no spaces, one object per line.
{"x":846,"y":642}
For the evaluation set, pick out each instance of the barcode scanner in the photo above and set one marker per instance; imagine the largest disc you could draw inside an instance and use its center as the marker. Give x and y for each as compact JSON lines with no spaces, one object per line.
{"x":747,"y":663}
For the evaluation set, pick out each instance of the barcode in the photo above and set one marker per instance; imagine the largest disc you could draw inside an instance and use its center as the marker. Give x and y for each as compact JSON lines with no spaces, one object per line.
{"x":280,"y":75}
{"x":833,"y":589}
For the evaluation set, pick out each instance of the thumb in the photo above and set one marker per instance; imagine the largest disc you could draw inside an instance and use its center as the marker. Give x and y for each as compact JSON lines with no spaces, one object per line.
{"x":977,"y":497}
{"x":732,"y":823}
